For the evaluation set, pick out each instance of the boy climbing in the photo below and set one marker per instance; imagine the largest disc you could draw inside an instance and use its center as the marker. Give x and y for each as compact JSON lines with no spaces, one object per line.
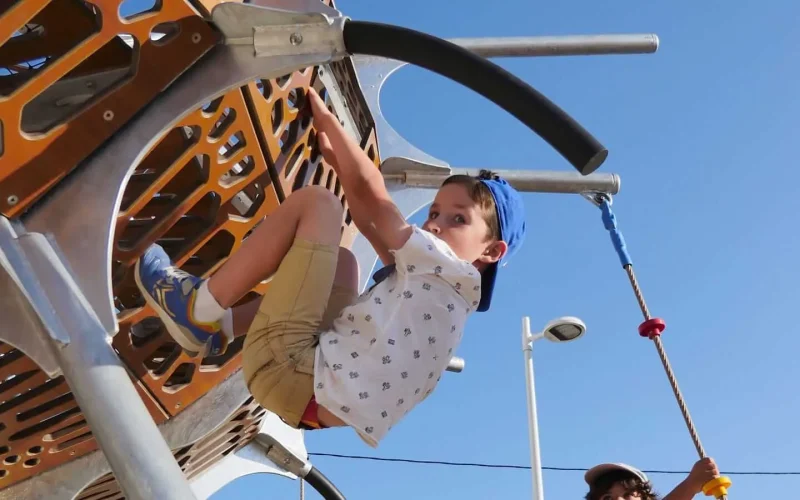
{"x":316,"y":353}
{"x":623,"y":482}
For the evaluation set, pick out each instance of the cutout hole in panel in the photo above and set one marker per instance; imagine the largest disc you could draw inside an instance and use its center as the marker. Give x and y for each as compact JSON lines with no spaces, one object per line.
{"x":222,"y":124}
{"x":301,"y":177}
{"x":180,"y":378}
{"x":51,"y":40}
{"x":265,"y":87}
{"x":92,"y":79}
{"x":163,"y":33}
{"x":131,"y":9}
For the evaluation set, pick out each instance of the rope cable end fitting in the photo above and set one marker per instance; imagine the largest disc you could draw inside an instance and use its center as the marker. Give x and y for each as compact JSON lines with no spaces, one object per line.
{"x":652,"y":328}
{"x":717,"y":487}
{"x":610,"y":223}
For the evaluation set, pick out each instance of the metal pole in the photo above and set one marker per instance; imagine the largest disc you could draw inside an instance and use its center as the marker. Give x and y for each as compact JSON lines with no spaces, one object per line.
{"x":540,"y":181}
{"x":570,"y":45}
{"x":456,"y":364}
{"x":302,"y":481}
{"x":126,"y":433}
{"x":533,"y":423}
{"x":142,"y":463}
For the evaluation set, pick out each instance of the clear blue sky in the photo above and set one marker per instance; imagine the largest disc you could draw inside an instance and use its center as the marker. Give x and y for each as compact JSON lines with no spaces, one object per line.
{"x":702,"y":134}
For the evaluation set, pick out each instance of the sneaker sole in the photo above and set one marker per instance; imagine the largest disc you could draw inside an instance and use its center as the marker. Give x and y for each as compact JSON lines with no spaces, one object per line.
{"x":191,"y":347}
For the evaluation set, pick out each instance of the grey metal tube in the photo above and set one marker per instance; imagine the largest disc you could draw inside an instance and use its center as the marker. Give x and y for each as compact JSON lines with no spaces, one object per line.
{"x":571,"y":45}
{"x":141,"y":461}
{"x":456,"y":364}
{"x":139,"y":457}
{"x":539,"y":181}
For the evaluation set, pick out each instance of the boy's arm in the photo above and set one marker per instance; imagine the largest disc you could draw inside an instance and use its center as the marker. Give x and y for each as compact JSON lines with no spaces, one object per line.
{"x":371,"y":234}
{"x":681,"y":492}
{"x":373,"y":211}
{"x":703,"y":471}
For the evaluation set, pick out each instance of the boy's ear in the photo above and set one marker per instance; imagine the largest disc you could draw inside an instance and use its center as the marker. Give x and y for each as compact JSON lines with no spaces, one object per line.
{"x":494,"y":252}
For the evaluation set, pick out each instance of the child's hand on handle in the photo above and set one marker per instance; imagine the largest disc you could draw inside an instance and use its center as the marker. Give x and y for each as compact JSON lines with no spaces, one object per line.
{"x":371,"y":207}
{"x":703,"y":471}
{"x":324,"y":120}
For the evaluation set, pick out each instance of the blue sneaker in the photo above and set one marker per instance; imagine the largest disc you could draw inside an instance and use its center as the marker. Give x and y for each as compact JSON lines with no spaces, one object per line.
{"x":172,"y":292}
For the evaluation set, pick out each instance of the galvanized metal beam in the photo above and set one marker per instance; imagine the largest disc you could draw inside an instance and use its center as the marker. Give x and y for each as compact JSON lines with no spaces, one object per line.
{"x":570,"y":45}
{"x":416,"y":174}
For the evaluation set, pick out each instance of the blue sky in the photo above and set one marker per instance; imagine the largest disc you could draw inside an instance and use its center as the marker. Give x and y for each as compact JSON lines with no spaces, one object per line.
{"x":701,"y":134}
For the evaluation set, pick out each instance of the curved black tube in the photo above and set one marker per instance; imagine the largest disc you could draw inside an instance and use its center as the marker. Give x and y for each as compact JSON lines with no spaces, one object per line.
{"x":323,"y":485}
{"x":533,"y":109}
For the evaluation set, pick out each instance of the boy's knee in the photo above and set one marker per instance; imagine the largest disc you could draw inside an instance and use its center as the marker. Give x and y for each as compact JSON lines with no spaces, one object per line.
{"x":321,"y":202}
{"x":321,"y":215}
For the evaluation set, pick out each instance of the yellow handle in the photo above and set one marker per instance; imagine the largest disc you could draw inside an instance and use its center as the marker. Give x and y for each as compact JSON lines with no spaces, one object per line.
{"x":717,"y":487}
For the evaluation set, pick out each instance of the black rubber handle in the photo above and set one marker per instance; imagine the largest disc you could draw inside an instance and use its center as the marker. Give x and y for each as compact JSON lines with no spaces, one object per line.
{"x":533,"y":109}
{"x":323,"y":485}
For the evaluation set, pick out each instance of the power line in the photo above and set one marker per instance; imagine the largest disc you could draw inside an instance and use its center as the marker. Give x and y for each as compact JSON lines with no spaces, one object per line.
{"x":526,"y":467}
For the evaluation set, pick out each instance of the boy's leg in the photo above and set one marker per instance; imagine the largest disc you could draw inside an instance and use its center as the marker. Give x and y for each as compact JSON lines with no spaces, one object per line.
{"x":191,"y":308}
{"x":312,"y":214}
{"x":345,"y":289}
{"x":280,"y":349}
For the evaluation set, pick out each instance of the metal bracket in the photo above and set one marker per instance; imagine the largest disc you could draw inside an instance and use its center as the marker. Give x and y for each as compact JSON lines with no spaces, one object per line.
{"x":30,"y":321}
{"x":281,"y":28}
{"x":596,"y":198}
{"x":283,"y":456}
{"x":397,"y":168}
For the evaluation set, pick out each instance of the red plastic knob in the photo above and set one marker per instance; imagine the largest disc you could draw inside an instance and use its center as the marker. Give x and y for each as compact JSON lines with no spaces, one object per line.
{"x":652,"y":328}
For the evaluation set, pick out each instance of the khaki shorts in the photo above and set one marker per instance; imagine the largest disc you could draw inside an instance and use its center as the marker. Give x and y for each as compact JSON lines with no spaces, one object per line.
{"x":279,"y":350}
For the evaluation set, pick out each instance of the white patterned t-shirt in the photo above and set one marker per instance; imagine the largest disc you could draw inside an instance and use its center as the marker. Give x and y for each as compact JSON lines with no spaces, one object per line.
{"x":386,"y":352}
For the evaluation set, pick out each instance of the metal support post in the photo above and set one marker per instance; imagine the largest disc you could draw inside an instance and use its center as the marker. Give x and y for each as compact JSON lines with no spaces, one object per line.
{"x":416,"y":174}
{"x":570,"y":45}
{"x":533,"y":421}
{"x":142,"y":463}
{"x":139,"y":457}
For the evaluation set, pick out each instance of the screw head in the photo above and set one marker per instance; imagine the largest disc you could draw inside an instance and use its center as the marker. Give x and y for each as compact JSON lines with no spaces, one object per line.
{"x":196,"y":37}
{"x":296,"y":39}
{"x":108,"y":115}
{"x":12,"y":200}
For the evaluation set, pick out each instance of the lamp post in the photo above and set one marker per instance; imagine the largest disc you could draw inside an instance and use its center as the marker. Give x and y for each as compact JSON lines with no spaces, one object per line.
{"x":565,"y":329}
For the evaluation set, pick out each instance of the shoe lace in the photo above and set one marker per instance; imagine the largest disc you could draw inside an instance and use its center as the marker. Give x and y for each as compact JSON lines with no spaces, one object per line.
{"x":178,"y":275}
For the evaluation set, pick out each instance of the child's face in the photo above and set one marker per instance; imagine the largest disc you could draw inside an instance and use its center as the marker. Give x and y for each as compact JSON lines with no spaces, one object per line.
{"x":619,"y":492}
{"x":458,"y":221}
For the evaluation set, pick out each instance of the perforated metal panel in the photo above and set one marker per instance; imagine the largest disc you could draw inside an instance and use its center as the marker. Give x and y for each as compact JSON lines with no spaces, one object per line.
{"x":69,"y":81}
{"x":198,"y":457}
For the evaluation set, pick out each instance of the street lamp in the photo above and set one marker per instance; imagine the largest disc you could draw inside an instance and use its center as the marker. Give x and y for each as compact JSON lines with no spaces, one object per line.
{"x":565,"y":329}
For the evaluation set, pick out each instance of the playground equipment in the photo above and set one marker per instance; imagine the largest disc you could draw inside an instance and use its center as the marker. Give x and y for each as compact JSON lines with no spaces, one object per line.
{"x":181,"y":125}
{"x":652,"y":328}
